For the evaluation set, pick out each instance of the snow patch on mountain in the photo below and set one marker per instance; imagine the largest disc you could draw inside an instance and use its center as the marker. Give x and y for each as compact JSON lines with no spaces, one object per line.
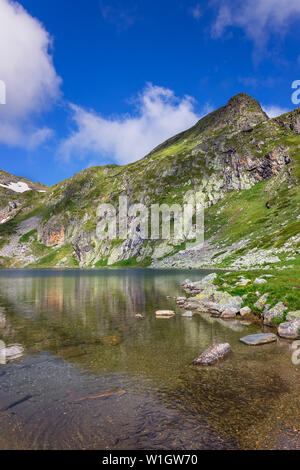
{"x":19,"y":187}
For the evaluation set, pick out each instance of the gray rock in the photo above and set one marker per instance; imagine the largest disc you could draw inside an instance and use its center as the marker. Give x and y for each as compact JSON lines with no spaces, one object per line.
{"x":228,"y":314}
{"x":213,"y":354}
{"x":261,"y":302}
{"x":188,"y":314}
{"x":226,"y":301}
{"x":245,"y":311}
{"x":258,"y":339}
{"x":259,"y":281}
{"x":276,"y":312}
{"x":243,"y":282}
{"x":293,"y":315}
{"x":289,"y":330}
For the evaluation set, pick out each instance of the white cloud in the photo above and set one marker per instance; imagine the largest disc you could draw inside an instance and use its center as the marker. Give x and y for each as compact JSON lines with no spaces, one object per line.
{"x":196,"y":11}
{"x":259,"y":18}
{"x":159,"y":115}
{"x":274,"y":111}
{"x":27,"y":69}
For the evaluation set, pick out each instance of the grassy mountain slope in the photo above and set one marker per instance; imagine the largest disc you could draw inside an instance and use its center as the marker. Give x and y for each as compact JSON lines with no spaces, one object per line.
{"x":246,"y":166}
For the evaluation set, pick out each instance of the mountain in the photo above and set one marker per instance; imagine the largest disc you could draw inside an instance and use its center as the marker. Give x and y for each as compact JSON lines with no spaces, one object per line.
{"x":245,"y":165}
{"x":15,"y":192}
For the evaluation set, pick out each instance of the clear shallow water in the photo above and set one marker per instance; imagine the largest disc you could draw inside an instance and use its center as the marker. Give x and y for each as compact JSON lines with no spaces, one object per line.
{"x":94,"y":377}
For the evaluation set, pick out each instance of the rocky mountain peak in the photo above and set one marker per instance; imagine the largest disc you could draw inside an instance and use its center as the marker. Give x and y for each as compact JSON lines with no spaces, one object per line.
{"x":241,"y":112}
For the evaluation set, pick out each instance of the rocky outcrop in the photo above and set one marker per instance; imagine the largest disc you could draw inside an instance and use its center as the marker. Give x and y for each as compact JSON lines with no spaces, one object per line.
{"x":213,"y":354}
{"x":53,"y":232}
{"x":8,"y":212}
{"x":82,"y":247}
{"x":209,"y":299}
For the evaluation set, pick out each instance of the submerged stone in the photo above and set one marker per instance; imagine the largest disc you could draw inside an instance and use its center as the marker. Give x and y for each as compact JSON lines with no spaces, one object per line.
{"x":213,"y":354}
{"x":111,"y":340}
{"x":12,"y":352}
{"x":258,"y":339}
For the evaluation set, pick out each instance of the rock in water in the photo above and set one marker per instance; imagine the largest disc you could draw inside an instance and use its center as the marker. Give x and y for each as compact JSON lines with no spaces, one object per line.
{"x":12,"y":352}
{"x":165,"y":313}
{"x":188,"y":314}
{"x":111,"y":340}
{"x":289,"y":330}
{"x":139,"y":316}
{"x":213,"y":354}
{"x":258,"y":339}
{"x":228,"y":314}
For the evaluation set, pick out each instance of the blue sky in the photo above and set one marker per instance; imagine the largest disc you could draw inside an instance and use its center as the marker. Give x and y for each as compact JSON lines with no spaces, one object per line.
{"x":100,"y":81}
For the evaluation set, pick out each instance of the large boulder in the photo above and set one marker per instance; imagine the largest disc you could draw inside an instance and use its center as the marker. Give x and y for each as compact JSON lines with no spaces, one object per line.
{"x":275,"y":313}
{"x":289,"y":330}
{"x":213,"y":354}
{"x":225,"y":302}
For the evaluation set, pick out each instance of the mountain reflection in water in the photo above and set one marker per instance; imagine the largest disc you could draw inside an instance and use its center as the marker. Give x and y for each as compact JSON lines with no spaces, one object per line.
{"x":95,"y":377}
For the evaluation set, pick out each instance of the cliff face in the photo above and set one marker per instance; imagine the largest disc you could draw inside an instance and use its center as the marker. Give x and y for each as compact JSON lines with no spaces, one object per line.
{"x":236,"y":158}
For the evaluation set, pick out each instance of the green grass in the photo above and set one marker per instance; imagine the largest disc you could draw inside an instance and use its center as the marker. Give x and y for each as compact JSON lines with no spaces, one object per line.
{"x":26,"y":238}
{"x":53,"y":258}
{"x":133,"y":263}
{"x":283,"y":287}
